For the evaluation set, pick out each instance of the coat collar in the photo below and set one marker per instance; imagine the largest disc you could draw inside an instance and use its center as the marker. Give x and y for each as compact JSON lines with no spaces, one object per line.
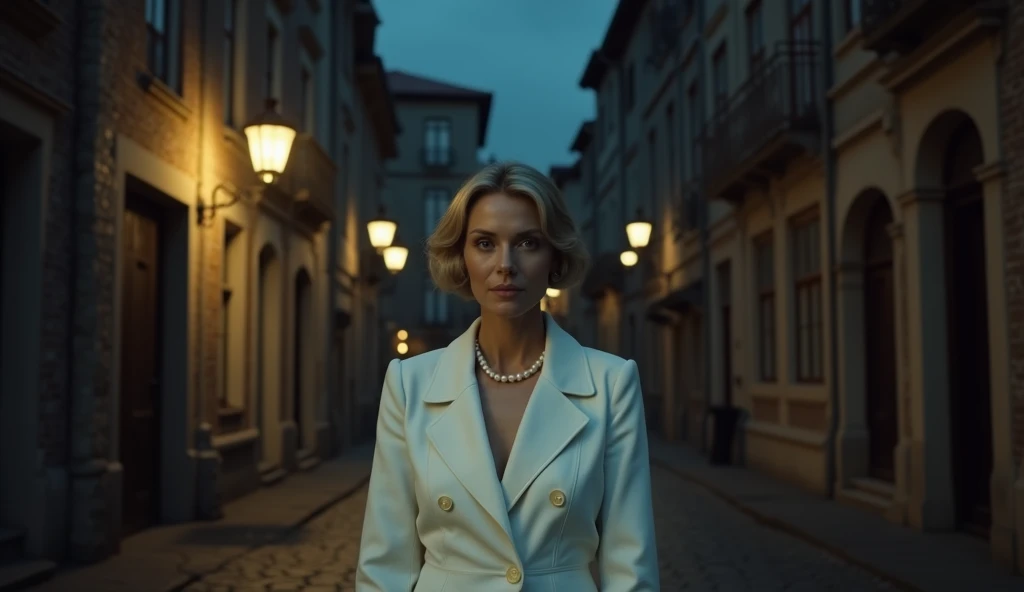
{"x":550,"y":422}
{"x":565,"y":365}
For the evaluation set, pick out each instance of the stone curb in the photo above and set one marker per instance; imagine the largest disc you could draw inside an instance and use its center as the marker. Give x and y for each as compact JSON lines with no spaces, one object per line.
{"x":344,"y":494}
{"x":785,"y":526}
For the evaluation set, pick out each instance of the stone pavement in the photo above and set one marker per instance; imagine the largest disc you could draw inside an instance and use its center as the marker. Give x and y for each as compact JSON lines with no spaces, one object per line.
{"x":704,"y":544}
{"x":168,"y":558}
{"x":908,"y":559}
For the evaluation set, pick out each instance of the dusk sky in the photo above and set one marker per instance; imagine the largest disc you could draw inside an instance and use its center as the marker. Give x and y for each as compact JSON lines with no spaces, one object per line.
{"x":529,"y":53}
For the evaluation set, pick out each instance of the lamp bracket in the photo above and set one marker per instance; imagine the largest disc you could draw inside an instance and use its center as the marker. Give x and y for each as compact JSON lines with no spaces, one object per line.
{"x":205,"y":211}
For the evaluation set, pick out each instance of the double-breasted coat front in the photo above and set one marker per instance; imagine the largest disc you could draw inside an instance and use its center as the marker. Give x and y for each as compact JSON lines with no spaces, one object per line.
{"x":576,"y":488}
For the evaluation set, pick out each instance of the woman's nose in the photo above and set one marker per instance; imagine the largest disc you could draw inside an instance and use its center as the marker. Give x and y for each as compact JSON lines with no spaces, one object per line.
{"x":507,"y":262}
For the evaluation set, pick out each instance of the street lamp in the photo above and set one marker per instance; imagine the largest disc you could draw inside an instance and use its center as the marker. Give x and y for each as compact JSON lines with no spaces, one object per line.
{"x":270,"y":142}
{"x":638,"y":231}
{"x":382,"y":230}
{"x":395,"y":256}
{"x":629,"y":258}
{"x":270,"y":139}
{"x":553,"y":292}
{"x":402,"y":335}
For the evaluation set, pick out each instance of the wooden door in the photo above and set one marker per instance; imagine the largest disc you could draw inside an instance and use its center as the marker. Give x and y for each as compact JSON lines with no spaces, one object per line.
{"x":969,"y":361}
{"x":880,"y":343}
{"x":140,"y":380}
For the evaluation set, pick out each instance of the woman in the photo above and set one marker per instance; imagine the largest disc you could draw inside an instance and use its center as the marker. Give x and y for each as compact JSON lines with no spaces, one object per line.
{"x":513,"y":458}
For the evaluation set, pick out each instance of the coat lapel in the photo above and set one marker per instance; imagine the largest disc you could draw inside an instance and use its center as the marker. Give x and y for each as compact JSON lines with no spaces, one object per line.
{"x":551,"y":420}
{"x":549,"y":424}
{"x":459,"y":435}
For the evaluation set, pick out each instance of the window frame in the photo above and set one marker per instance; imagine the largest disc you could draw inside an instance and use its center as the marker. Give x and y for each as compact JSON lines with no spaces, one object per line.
{"x":767,"y":329}
{"x":805,"y":266}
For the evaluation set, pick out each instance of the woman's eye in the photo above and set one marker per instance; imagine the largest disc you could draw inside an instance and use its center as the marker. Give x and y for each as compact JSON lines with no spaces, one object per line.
{"x":483,"y":244}
{"x":529,"y":243}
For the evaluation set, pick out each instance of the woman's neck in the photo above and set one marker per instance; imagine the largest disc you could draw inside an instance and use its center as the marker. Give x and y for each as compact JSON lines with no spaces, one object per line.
{"x":512,"y":344}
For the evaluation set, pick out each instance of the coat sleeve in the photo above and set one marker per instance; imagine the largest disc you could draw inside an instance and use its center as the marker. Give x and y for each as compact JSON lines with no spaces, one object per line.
{"x":627,"y":554}
{"x":390,"y":554}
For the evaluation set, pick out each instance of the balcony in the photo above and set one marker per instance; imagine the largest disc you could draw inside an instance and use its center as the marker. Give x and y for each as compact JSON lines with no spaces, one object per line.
{"x":439,"y":158}
{"x":901,"y":25}
{"x":309,"y":178}
{"x":769,"y":121}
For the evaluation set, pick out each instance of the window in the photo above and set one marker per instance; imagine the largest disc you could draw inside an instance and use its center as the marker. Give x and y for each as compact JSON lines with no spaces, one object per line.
{"x":307,"y":116}
{"x":696,"y":123}
{"x":652,"y":157}
{"x":232,"y":342}
{"x":630,"y":87}
{"x":670,"y":150}
{"x":806,"y":265}
{"x":230,"y":55}
{"x":720,"y":77}
{"x":163,"y":41}
{"x":853,"y":13}
{"x":437,"y":142}
{"x":755,"y":35}
{"x":802,"y":33}
{"x":764,"y":253}
{"x":273,"y":50}
{"x":436,"y":204}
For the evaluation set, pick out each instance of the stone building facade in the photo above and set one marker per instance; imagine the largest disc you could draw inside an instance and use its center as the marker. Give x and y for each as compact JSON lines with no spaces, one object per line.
{"x":443,"y":128}
{"x":834,"y":246}
{"x":160,"y":355}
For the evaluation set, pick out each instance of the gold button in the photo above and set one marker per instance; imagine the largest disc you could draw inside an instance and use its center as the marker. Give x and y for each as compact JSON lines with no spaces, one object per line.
{"x":557,"y":498}
{"x":445,"y":503}
{"x":513,"y":575}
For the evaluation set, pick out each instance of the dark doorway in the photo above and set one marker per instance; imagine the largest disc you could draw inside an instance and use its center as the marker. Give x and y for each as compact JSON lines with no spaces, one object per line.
{"x":302,"y":304}
{"x":967,"y":303}
{"x":880,"y":342}
{"x":140,"y":364}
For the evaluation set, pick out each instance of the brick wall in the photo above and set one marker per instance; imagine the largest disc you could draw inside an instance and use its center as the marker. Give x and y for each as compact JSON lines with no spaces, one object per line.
{"x":1012,"y":115}
{"x":47,"y":66}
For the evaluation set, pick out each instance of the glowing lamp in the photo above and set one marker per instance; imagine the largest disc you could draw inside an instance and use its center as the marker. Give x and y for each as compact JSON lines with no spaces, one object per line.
{"x":629,"y":258}
{"x":270,"y":139}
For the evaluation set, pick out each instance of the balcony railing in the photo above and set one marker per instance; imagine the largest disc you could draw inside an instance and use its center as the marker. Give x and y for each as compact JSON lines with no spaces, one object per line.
{"x":900,"y":25}
{"x":310,"y":178}
{"x":769,"y":120}
{"x":437,"y":157}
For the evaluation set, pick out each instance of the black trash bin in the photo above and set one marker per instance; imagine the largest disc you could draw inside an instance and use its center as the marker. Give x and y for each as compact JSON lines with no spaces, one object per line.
{"x":725,"y":432}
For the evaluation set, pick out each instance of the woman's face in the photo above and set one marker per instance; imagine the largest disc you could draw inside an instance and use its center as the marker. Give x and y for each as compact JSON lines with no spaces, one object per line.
{"x":508,"y":258}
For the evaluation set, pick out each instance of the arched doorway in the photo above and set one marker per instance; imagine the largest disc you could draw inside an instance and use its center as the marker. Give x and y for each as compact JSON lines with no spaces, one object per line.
{"x":879,"y":323}
{"x":967,"y":318}
{"x":301,"y":352}
{"x":268,"y":352}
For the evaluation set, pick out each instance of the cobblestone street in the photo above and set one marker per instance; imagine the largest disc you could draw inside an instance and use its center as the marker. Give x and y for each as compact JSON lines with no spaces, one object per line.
{"x":704,"y":545}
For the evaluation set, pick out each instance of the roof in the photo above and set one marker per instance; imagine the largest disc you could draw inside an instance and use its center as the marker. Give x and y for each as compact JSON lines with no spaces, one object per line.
{"x":616,"y":39}
{"x":405,"y":86}
{"x":583,"y":136}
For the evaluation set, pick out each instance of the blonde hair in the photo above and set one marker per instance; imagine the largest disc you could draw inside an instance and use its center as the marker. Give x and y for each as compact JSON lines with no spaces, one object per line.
{"x":445,"y":245}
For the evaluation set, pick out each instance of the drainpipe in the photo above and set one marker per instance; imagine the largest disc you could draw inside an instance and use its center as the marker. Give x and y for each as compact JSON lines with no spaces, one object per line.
{"x":334,"y":237}
{"x":826,"y":71}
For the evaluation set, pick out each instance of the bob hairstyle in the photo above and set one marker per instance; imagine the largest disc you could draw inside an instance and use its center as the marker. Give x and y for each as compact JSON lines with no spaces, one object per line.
{"x":445,"y":245}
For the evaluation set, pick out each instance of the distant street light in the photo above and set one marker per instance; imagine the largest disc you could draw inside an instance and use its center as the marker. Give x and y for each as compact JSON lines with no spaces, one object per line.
{"x":382,"y":230}
{"x":629,"y":258}
{"x":402,"y":335}
{"x":403,"y":348}
{"x":553,"y":292}
{"x":395,"y":256}
{"x":639,"y":230}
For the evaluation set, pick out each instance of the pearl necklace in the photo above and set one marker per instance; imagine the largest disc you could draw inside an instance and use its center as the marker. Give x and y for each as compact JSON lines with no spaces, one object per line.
{"x":507,"y":377}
